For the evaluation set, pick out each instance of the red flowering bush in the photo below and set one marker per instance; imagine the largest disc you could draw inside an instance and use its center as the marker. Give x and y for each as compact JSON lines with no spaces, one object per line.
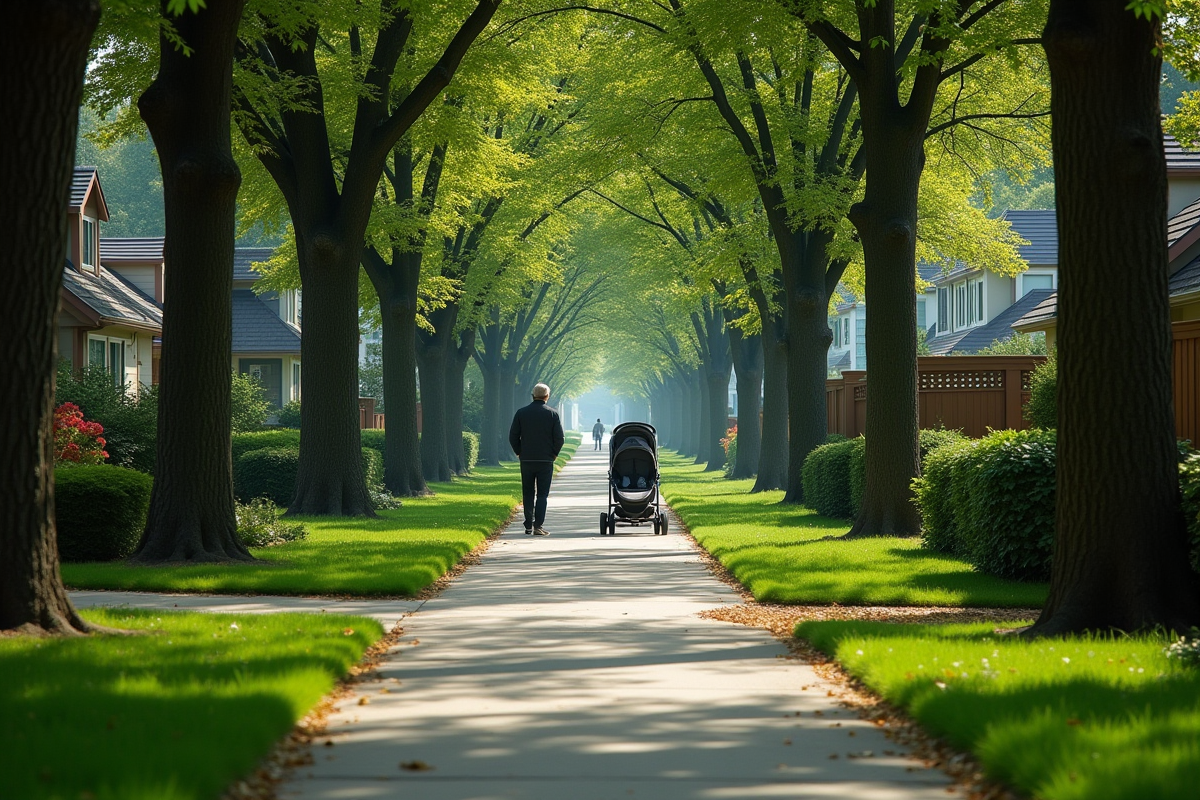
{"x":77,"y":441}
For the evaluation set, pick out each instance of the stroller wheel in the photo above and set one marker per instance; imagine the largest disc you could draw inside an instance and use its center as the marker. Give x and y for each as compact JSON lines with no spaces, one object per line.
{"x":603,"y":523}
{"x":656,"y":526}
{"x":661,"y":526}
{"x":612,"y":524}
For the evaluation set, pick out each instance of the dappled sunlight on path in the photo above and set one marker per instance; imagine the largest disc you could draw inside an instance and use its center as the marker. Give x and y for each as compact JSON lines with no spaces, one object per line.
{"x":575,"y":666}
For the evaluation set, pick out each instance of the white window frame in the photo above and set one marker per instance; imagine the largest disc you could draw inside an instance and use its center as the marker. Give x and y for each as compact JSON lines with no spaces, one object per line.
{"x":946,"y":310}
{"x":960,"y":305}
{"x":109,"y":341}
{"x":88,"y":246}
{"x":295,"y":380}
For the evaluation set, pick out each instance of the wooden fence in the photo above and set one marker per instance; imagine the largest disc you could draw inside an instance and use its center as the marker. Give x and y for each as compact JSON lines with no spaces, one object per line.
{"x":1186,"y":379}
{"x":967,"y":393}
{"x":367,"y":418}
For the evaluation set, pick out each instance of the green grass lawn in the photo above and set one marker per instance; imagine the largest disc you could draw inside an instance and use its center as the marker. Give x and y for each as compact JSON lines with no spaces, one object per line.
{"x":1061,"y":719}
{"x":178,"y":713}
{"x":399,"y":553}
{"x":774,"y":550}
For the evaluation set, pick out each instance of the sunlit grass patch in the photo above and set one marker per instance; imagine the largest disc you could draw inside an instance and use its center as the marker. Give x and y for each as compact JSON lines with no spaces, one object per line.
{"x":176,"y":713}
{"x":1099,"y":718}
{"x":778,"y":553}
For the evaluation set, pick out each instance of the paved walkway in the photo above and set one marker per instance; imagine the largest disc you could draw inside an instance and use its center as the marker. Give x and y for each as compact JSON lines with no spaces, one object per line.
{"x":574,"y":667}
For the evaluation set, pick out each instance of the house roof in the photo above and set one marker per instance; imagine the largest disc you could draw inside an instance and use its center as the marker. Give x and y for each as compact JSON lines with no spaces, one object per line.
{"x":112,"y":299}
{"x":243,"y":257}
{"x":1037,"y":317}
{"x":1040,"y":228}
{"x":840,"y":361}
{"x":145,"y":248}
{"x":1183,"y":229}
{"x":928,"y":272}
{"x":1186,"y":279}
{"x":82,"y":181}
{"x":972,"y":340}
{"x":1180,"y":161}
{"x":258,"y":329}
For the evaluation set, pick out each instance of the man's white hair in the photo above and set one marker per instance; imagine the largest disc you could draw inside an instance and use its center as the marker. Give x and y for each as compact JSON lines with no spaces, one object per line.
{"x":541,"y":391}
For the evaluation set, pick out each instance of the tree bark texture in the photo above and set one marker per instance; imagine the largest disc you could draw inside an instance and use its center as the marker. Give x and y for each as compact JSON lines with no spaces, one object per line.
{"x":460,"y":356}
{"x":432,"y":357}
{"x":43,"y":51}
{"x":773,"y":457}
{"x":508,"y":407}
{"x":748,"y":371}
{"x":1120,"y":558}
{"x":187,"y":109}
{"x":489,"y":437}
{"x":401,"y":445}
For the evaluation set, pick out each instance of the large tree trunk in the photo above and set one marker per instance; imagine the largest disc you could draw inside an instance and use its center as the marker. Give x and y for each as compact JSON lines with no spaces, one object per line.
{"x":432,"y":355}
{"x":401,"y":445}
{"x":187,"y":110}
{"x":43,"y":51}
{"x":773,"y":457}
{"x":886,"y":220}
{"x":508,"y":407}
{"x":489,"y":437}
{"x":330,"y":480}
{"x":748,"y":371}
{"x":460,"y":356}
{"x":1120,"y":558}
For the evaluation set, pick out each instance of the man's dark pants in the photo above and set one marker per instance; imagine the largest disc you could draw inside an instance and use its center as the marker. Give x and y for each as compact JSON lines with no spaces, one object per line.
{"x":596,"y":439}
{"x":535,"y":480}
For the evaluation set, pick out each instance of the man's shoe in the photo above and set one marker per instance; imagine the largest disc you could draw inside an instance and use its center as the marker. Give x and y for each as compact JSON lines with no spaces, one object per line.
{"x":529,"y":531}
{"x":540,"y":531}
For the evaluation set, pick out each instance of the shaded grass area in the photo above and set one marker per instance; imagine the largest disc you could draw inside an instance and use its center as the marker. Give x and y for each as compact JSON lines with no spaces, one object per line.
{"x":178,"y":713}
{"x":399,"y":553}
{"x":1099,"y":718}
{"x":776,"y":552}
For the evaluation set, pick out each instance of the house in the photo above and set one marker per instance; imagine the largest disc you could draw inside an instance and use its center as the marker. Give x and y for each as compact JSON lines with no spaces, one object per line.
{"x":266,"y":330}
{"x":976,"y":308}
{"x":848,"y":323}
{"x":105,"y":318}
{"x":266,"y":327}
{"x":1183,"y":247}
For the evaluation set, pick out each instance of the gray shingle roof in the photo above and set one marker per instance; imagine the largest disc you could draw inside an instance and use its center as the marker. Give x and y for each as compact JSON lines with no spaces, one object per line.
{"x":80,"y":180}
{"x":258,"y":329}
{"x":928,"y":272}
{"x":839,"y":361}
{"x":112,"y":298}
{"x":1178,"y":159}
{"x":243,"y":257}
{"x":146,"y":248}
{"x":1040,"y":228}
{"x":1181,"y":223}
{"x":1186,"y":279}
{"x":974,"y":339}
{"x":1042,"y":312}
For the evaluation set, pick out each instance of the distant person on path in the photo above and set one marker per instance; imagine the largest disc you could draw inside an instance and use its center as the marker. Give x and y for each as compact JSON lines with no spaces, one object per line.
{"x":597,"y":433}
{"x":536,"y":436}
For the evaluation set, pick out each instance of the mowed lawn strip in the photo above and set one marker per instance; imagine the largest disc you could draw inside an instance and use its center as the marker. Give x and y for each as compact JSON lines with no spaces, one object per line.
{"x":1095,"y":718}
{"x":397,"y":554}
{"x":776,"y":551}
{"x":178,"y":712}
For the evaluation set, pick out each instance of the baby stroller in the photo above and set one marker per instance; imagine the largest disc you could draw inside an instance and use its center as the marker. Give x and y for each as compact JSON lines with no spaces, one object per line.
{"x":633,"y":480}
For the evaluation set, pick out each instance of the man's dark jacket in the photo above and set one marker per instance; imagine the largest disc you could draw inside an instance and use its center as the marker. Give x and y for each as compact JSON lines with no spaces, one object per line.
{"x":536,"y":433}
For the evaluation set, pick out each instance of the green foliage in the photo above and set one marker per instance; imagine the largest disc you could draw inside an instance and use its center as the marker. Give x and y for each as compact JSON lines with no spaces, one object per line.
{"x":130,"y":423}
{"x":182,"y":710}
{"x":129,"y":175}
{"x":1099,"y":717}
{"x":101,"y":511}
{"x":260,"y":440}
{"x":1189,"y":490}
{"x":470,"y":449}
{"x":259,"y":525}
{"x":249,"y":404}
{"x":1019,"y":344}
{"x":730,"y":445}
{"x":370,"y":376}
{"x":373,"y":438}
{"x":856,"y":473}
{"x":266,"y":473}
{"x":992,"y":502}
{"x":289,"y":415}
{"x":1042,"y":408}
{"x":372,"y":462}
{"x":826,"y":478}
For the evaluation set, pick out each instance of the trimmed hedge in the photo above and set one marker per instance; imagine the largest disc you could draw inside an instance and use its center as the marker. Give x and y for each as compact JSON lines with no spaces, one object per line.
{"x":261,"y":440}
{"x":1042,"y":408}
{"x":471,"y":449}
{"x":856,"y":475}
{"x":373,"y":438}
{"x":101,"y":511}
{"x":271,"y":473}
{"x":991,"y":501}
{"x":825,"y":477}
{"x":1189,"y":489}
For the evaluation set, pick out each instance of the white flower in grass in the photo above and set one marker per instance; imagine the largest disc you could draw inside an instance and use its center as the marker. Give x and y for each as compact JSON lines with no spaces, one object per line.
{"x":233,"y":626}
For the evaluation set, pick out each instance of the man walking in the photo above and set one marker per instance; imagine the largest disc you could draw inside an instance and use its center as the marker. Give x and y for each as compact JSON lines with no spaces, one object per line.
{"x":597,"y":433}
{"x":536,"y":436}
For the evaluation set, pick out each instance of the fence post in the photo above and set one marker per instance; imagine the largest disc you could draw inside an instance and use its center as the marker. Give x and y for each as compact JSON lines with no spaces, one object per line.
{"x":1013,"y":407}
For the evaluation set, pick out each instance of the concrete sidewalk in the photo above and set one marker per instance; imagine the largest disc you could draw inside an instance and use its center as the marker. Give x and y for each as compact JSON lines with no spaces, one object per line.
{"x":574,"y":667}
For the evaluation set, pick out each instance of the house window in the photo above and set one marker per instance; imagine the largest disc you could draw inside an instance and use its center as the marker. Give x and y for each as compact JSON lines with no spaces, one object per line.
{"x":295,"y":381}
{"x":921,"y":314}
{"x":269,"y":373}
{"x":943,"y":321}
{"x":1037,"y":280}
{"x":109,"y":353}
{"x":960,"y":305}
{"x":88,"y":244}
{"x":845,"y":331}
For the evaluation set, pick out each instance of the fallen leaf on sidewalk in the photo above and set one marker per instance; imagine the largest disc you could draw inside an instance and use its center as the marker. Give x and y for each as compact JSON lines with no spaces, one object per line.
{"x":415,"y":766}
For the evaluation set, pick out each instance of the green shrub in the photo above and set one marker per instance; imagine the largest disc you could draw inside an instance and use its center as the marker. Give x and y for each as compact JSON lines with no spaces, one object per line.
{"x":268,"y":472}
{"x":931,"y":439}
{"x":373,"y":438}
{"x":289,"y":415}
{"x":1042,"y":408}
{"x":932,"y":494}
{"x":249,"y":405}
{"x":826,"y":481}
{"x":259,"y":525}
{"x":101,"y":511}
{"x":260,"y":440}
{"x":130,"y":423}
{"x":1003,"y":498}
{"x":1189,"y":490}
{"x":470,"y":449}
{"x":372,"y":463}
{"x":834,"y":438}
{"x":729,"y":445}
{"x":856,"y":473}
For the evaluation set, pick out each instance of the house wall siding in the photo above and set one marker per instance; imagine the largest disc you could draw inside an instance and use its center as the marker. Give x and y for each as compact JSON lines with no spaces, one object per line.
{"x":1181,"y":192}
{"x":140,"y":275}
